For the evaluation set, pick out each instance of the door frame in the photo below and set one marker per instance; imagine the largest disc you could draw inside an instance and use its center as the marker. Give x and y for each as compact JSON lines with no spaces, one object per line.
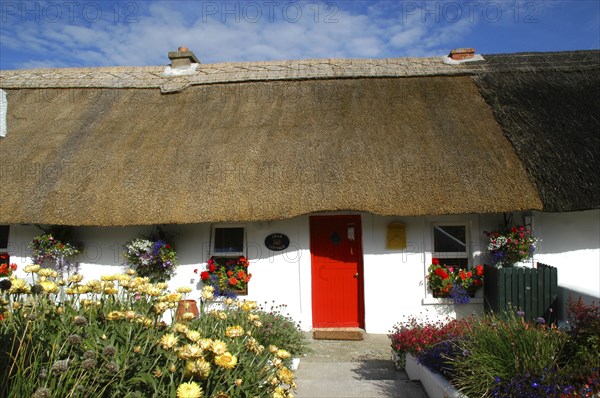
{"x":357,"y":219}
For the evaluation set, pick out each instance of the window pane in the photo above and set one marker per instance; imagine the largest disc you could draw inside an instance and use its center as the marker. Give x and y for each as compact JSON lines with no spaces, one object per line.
{"x":449,"y":238}
{"x":4,"y":236}
{"x":229,"y":240}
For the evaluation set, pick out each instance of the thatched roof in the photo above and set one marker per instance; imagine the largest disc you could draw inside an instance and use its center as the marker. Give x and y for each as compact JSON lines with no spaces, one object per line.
{"x":262,"y":141}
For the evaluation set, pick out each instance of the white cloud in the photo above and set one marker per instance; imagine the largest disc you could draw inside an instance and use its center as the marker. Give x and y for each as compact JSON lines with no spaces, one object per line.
{"x":377,"y":30}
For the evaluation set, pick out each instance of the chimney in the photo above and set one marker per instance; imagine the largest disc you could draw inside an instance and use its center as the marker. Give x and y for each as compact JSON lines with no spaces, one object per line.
{"x":182,"y":58}
{"x":459,"y":54}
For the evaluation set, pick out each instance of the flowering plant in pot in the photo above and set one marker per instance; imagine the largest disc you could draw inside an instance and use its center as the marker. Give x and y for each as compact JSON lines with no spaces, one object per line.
{"x":152,"y":258}
{"x":228,"y":276}
{"x":456,"y":283}
{"x":508,"y":246}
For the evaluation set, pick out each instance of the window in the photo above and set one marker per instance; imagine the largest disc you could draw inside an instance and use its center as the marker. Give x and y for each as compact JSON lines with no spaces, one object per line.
{"x":4,"y":236}
{"x":450,"y":244}
{"x":228,"y":241}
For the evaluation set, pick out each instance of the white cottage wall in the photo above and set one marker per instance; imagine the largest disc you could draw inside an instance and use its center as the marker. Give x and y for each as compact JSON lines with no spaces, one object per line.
{"x":571,"y":243}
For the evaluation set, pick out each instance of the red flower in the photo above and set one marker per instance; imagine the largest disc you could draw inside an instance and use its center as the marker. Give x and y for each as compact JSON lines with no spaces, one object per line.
{"x":229,"y":273}
{"x":196,"y":271}
{"x":241,"y":275}
{"x":479,"y":270}
{"x":14,"y":267}
{"x":204,"y":275}
{"x":3,"y":269}
{"x":233,"y":281}
{"x":435,"y":261}
{"x":212,"y":267}
{"x":441,"y":273}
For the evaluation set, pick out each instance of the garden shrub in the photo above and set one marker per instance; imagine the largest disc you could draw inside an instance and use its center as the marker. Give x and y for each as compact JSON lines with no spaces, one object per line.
{"x":505,"y":349}
{"x":107,"y":339}
{"x":414,"y":335}
{"x":280,"y":329}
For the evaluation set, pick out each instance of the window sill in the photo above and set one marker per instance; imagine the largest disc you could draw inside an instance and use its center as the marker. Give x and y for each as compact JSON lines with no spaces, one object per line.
{"x":447,"y":301}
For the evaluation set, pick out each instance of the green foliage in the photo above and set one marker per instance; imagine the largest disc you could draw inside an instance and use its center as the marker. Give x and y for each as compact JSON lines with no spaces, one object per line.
{"x":107,"y":339}
{"x":503,"y":347}
{"x":582,"y":352}
{"x":279,"y":329}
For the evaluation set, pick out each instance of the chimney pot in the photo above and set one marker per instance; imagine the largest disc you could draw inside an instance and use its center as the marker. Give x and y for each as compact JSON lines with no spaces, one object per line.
{"x":182,"y":58}
{"x":462,"y":53}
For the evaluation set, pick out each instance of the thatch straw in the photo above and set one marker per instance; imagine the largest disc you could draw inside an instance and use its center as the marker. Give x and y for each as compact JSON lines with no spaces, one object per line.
{"x":256,"y":151}
{"x":553,"y":120}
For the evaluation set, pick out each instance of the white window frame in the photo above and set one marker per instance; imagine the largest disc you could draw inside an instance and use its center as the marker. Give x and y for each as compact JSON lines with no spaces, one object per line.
{"x":442,"y":255}
{"x":215,"y":253}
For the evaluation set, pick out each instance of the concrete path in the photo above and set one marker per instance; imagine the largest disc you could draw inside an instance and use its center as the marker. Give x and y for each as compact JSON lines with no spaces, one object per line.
{"x":353,"y":369}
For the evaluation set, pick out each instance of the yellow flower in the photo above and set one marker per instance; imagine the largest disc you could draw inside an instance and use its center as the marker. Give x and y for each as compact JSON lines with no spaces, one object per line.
{"x":234,"y":331}
{"x":110,"y":290}
{"x":208,"y":292}
{"x":187,"y":316}
{"x":106,"y":278}
{"x":189,"y":390}
{"x":283,"y":354}
{"x":181,"y":328}
{"x":198,"y":367}
{"x":46,"y":272}
{"x":157,"y":372}
{"x":238,"y":382}
{"x":193,"y":335}
{"x":257,"y":323}
{"x":190,"y":351}
{"x":131,"y":272}
{"x":173,"y":297}
{"x":172,"y":368}
{"x":159,"y":308}
{"x":279,"y":392}
{"x":253,"y":317}
{"x":49,"y":287}
{"x":226,"y":361}
{"x":130,"y":314}
{"x":184,"y":289}
{"x":249,"y":305}
{"x":273,"y":349}
{"x":222,"y":315}
{"x":31,"y":269}
{"x":168,"y":341}
{"x":228,"y":301}
{"x":137,"y":349}
{"x":153,"y":291}
{"x":218,"y":347}
{"x":206,"y":344}
{"x":19,"y":286}
{"x":76,"y":278}
{"x":285,"y":375}
{"x":115,"y":315}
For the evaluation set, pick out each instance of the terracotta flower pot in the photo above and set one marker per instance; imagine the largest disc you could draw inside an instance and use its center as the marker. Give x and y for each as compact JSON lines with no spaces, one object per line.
{"x":186,"y":306}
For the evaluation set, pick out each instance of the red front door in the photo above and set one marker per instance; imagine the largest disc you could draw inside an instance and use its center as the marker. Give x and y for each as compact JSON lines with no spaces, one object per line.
{"x":336,"y":256}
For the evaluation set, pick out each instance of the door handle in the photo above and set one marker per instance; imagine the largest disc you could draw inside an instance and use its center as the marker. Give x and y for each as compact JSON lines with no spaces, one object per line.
{"x":356,"y":275}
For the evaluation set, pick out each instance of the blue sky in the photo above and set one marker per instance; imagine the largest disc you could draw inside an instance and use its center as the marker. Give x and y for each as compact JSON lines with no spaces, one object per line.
{"x":78,"y":33}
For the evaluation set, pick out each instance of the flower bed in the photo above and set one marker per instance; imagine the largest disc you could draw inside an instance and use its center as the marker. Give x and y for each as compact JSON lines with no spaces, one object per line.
{"x":107,"y":338}
{"x":506,"y":356}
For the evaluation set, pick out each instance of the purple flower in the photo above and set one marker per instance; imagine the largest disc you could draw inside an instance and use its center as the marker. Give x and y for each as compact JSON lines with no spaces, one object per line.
{"x":540,"y":320}
{"x":520,"y":314}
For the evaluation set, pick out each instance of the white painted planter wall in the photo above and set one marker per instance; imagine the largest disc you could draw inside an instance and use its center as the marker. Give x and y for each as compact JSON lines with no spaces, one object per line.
{"x":435,"y":385}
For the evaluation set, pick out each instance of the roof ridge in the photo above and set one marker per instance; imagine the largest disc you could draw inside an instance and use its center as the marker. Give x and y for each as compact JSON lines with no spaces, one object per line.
{"x":328,"y":68}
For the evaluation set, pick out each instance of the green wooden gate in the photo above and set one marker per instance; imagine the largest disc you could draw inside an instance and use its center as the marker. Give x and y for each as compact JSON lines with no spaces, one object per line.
{"x":531,"y":290}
